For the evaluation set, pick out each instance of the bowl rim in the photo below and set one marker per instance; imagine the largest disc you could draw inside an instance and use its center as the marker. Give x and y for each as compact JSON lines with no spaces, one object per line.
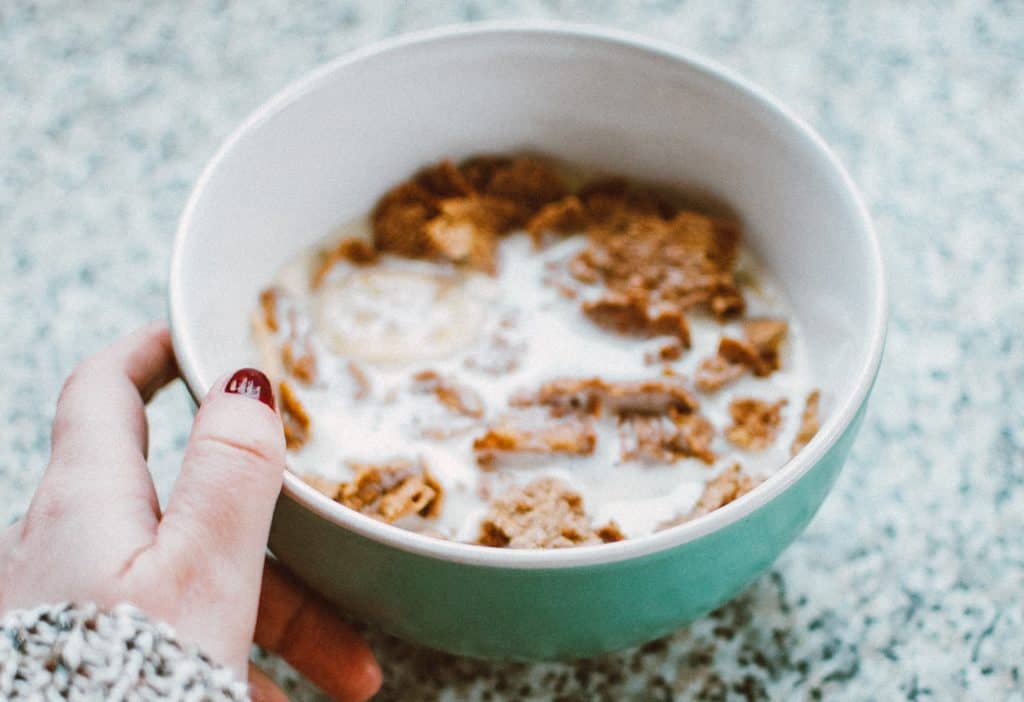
{"x":470,"y":554}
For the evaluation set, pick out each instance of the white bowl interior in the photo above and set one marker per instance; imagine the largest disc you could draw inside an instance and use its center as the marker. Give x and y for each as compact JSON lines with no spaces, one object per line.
{"x":325,"y":149}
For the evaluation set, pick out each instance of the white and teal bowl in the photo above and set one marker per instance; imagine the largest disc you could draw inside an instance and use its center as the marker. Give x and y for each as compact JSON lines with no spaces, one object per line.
{"x":323,"y":150}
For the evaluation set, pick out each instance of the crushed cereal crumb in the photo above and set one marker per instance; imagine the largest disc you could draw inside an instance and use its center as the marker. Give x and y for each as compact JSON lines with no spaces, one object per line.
{"x":664,"y":353}
{"x":293,"y":416}
{"x":298,"y":359}
{"x":809,"y":423}
{"x":269,"y":304}
{"x":755,"y":422}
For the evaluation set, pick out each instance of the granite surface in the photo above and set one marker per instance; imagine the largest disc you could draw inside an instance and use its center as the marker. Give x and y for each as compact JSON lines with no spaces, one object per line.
{"x":910,"y":581}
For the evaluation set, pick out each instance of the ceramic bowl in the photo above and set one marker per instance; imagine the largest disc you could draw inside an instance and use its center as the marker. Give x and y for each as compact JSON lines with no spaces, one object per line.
{"x":324,"y":149}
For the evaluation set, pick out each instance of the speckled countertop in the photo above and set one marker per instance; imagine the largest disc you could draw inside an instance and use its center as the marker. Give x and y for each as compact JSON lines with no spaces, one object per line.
{"x":910,"y":581}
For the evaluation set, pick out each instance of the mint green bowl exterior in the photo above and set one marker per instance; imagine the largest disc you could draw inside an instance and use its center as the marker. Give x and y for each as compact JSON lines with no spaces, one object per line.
{"x":551,"y":613}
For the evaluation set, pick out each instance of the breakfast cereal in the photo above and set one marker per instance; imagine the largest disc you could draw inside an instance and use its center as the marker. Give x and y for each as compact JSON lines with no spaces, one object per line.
{"x":508,"y":354}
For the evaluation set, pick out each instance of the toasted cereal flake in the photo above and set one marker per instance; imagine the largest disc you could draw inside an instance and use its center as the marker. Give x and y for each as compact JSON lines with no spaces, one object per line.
{"x":565,"y":216}
{"x":615,"y":199}
{"x":738,"y":352}
{"x":293,"y":416}
{"x":400,"y":219}
{"x":565,"y":396}
{"x":610,"y":533}
{"x":765,"y":335}
{"x":269,"y":306}
{"x":527,"y":181}
{"x":572,"y":436}
{"x":479,"y":170}
{"x":444,"y":180}
{"x":659,"y":264}
{"x":299,"y":359}
{"x":809,"y":423}
{"x":586,"y":396}
{"x":727,"y":486}
{"x":665,"y":438}
{"x":392,"y":490}
{"x":715,"y":372}
{"x":467,"y":229}
{"x":632,"y":313}
{"x":755,"y":422}
{"x":459,"y":398}
{"x":658,"y":395}
{"x":758,"y":352}
{"x":458,"y":213}
{"x":546,"y":513}
{"x":354,"y":250}
{"x":664,"y":353}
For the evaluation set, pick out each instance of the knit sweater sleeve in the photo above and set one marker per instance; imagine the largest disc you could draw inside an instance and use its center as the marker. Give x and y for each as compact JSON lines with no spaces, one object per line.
{"x":80,"y":652}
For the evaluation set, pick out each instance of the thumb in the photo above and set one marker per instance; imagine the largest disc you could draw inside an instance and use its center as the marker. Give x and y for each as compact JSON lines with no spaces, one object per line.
{"x":223,"y":500}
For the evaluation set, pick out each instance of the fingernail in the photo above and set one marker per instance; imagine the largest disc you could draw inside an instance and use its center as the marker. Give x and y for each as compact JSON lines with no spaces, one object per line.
{"x":252,"y":383}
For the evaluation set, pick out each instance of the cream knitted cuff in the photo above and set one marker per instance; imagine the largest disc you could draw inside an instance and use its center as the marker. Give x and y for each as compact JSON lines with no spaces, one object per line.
{"x":79,"y":652}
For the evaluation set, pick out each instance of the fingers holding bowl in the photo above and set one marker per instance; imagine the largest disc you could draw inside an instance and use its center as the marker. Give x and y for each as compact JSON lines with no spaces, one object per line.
{"x":303,"y":628}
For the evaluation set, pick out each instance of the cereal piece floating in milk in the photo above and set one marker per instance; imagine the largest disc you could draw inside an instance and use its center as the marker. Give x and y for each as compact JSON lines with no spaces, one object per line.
{"x":809,"y":423}
{"x":298,"y":358}
{"x":269,"y":307}
{"x":458,"y":213}
{"x":546,"y":513}
{"x":755,"y":422}
{"x":661,"y":438}
{"x":632,"y":313}
{"x":354,"y":250}
{"x":565,"y":216}
{"x":587,"y":396}
{"x":458,"y":398}
{"x":758,"y":353}
{"x":727,"y":486}
{"x":294,"y":417}
{"x":514,"y":437}
{"x":392,"y":490}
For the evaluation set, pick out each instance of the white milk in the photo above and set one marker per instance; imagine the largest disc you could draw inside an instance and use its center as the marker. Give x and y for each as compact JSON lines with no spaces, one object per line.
{"x":412,"y":315}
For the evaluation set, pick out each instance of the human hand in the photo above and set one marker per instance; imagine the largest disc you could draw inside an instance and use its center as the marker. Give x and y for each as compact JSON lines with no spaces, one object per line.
{"x":94,"y":531}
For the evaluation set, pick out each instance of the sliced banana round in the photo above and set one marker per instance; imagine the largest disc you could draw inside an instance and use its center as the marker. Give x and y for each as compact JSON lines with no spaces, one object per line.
{"x":400,"y":315}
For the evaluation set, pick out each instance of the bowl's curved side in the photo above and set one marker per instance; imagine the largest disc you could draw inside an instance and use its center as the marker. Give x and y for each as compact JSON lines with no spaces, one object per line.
{"x":546,"y":614}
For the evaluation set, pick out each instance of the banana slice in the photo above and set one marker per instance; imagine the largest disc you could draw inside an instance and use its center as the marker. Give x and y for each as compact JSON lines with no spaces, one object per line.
{"x":399,"y":315}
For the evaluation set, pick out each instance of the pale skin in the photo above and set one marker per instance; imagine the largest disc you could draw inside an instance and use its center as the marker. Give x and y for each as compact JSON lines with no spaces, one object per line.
{"x":95,"y":532}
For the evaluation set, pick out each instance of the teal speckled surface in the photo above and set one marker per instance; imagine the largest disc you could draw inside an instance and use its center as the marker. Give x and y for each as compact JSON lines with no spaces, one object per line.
{"x":910,"y":581}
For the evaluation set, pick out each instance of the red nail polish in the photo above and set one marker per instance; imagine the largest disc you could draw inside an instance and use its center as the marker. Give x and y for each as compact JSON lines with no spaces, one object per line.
{"x":252,"y":383}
